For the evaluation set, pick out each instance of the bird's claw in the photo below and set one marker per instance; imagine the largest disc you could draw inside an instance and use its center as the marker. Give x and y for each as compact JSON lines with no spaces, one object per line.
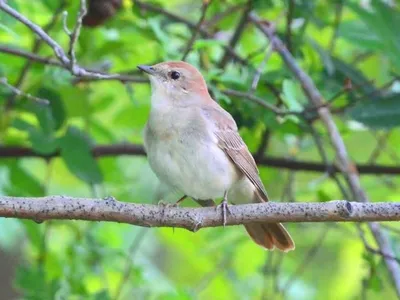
{"x":225,"y":209}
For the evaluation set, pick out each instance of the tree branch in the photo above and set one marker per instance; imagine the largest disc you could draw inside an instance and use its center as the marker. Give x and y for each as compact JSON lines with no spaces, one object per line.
{"x":31,"y":56}
{"x":148,"y":215}
{"x":17,"y":92}
{"x":270,"y":161}
{"x":52,"y":62}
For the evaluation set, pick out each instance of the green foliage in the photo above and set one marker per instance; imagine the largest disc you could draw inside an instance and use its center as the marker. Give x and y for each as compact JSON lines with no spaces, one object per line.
{"x":378,"y":113}
{"x":349,"y":62}
{"x":76,"y":152}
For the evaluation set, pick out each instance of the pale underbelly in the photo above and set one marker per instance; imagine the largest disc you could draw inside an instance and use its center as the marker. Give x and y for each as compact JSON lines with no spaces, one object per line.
{"x":199,"y":171}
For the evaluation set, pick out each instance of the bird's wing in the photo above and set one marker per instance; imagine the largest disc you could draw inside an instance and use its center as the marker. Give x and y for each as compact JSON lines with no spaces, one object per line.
{"x":231,"y":142}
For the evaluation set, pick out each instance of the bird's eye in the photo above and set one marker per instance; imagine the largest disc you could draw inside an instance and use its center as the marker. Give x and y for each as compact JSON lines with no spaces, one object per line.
{"x":175,"y":75}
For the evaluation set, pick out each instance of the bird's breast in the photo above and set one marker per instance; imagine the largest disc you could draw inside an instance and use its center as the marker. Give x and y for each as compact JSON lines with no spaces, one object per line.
{"x":184,"y":154}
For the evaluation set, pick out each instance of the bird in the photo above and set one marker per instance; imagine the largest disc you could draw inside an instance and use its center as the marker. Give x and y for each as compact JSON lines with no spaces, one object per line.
{"x":194,"y":147}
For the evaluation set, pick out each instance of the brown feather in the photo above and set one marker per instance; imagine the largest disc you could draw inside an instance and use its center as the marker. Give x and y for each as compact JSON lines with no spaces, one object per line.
{"x":232,"y":143}
{"x":267,"y":235}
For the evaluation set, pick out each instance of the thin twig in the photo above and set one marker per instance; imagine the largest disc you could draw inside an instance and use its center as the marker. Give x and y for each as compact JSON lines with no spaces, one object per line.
{"x":289,"y":19}
{"x":289,"y":187}
{"x":276,"y":273}
{"x":31,"y":56}
{"x":50,"y":61}
{"x":76,"y":32}
{"x":263,"y":144}
{"x":18,"y":92}
{"x":35,"y":48}
{"x":267,"y":270}
{"x":134,"y":247}
{"x":375,"y":92}
{"x":204,"y":7}
{"x":325,"y":160}
{"x":221,"y":15}
{"x":381,"y":141}
{"x":65,"y":26}
{"x":310,"y":254}
{"x":177,"y":18}
{"x":236,"y":35}
{"x":57,"y":49}
{"x":371,"y":249}
{"x":336,"y":24}
{"x":258,"y":73}
{"x":259,"y":101}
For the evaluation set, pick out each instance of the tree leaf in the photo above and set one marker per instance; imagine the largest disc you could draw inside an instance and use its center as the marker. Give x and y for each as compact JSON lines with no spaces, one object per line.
{"x":383,"y":21}
{"x":42,"y":143}
{"x":290,"y":95}
{"x":383,"y":112}
{"x":356,"y":76}
{"x":56,"y":106}
{"x":22,"y":183}
{"x":76,"y":152}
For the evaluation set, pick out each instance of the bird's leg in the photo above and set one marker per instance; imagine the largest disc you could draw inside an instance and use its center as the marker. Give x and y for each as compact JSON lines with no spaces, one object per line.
{"x":205,"y":203}
{"x":176,"y":204}
{"x":225,"y":208}
{"x":180,"y":200}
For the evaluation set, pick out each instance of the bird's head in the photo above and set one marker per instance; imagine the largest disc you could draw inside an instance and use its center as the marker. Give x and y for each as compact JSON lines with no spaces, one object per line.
{"x":176,"y":83}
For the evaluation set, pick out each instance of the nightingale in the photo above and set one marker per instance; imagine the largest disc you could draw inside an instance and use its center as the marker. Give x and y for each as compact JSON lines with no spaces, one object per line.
{"x":194,"y":147}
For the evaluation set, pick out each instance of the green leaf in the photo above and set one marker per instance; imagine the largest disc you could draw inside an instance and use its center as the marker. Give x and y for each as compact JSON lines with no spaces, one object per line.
{"x":200,"y":44}
{"x":378,"y":113}
{"x":32,"y":281}
{"x":291,"y":94}
{"x":51,"y":5}
{"x":383,"y":22}
{"x":357,"y":32}
{"x":23,"y":183}
{"x":76,"y":152}
{"x":43,"y":115}
{"x":102,"y":295}
{"x":42,"y":143}
{"x":56,"y":106}
{"x":356,"y":76}
{"x":33,"y":232}
{"x":323,"y":196}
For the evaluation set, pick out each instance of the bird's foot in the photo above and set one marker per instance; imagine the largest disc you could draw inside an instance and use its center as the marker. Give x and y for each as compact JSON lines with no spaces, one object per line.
{"x":224,"y":206}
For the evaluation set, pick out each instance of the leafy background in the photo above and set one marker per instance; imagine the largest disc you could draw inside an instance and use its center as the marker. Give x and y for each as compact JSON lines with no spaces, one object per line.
{"x":333,"y":41}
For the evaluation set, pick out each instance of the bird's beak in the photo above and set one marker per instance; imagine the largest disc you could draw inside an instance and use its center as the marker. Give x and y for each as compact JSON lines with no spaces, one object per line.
{"x":147,"y":69}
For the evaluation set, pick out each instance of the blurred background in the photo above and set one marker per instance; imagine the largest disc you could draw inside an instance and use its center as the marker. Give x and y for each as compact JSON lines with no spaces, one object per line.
{"x":349,"y":48}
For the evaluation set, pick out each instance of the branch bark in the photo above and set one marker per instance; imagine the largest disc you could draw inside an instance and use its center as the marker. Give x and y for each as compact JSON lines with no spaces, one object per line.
{"x":147,"y":215}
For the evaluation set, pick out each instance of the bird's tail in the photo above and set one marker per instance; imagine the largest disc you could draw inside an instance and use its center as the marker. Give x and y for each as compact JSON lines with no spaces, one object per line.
{"x":267,"y":235}
{"x":270,"y":236}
